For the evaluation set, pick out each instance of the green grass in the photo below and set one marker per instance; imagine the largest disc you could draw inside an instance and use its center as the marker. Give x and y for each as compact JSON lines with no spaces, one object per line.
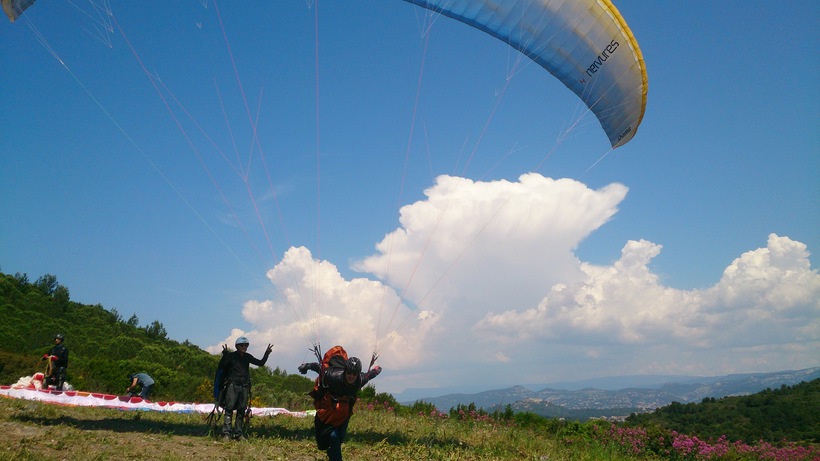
{"x":33,"y":430}
{"x":39,"y":431}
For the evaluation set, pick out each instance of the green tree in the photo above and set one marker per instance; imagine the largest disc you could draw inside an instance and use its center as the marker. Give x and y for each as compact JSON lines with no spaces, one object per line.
{"x":133,"y":321}
{"x":156,"y":330}
{"x":46,"y":284}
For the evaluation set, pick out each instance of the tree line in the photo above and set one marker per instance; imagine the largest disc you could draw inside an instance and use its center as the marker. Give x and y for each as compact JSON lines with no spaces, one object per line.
{"x":788,"y":413}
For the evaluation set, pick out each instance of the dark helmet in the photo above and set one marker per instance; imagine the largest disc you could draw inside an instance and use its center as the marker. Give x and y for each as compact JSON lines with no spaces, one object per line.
{"x":353,"y":365}
{"x":59,"y":336}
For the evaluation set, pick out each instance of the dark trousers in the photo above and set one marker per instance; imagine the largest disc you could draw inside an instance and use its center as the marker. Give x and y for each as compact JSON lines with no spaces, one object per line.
{"x":329,"y":438}
{"x":236,"y":398}
{"x":57,"y":378}
{"x":146,"y":391}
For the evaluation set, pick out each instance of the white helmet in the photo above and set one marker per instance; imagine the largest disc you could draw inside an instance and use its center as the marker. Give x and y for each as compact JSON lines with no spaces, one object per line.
{"x":241,"y":340}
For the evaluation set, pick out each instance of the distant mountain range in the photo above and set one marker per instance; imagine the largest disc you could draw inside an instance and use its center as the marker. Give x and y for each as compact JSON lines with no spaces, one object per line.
{"x":641,"y":394}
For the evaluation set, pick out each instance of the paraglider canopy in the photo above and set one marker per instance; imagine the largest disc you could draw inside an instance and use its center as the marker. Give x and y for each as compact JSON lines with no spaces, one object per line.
{"x":14,"y":8}
{"x":584,"y":43}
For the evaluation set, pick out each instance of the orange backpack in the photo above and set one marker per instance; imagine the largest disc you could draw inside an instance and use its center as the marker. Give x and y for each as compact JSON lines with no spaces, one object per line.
{"x":330,"y":409}
{"x":335,"y":357}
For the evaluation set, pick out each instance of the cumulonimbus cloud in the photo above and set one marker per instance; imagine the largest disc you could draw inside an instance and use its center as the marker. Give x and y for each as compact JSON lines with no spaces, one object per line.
{"x":486,"y":272}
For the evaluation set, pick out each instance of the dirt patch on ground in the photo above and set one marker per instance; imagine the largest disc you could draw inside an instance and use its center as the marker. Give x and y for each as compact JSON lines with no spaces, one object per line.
{"x":20,"y":432}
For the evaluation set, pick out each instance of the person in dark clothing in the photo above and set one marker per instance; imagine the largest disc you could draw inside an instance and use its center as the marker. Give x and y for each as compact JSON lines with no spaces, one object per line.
{"x":144,"y":380}
{"x":58,"y":357}
{"x":236,"y":385}
{"x":334,"y":400}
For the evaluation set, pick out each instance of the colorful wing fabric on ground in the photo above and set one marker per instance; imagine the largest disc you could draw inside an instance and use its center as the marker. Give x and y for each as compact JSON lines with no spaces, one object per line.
{"x":90,"y":399}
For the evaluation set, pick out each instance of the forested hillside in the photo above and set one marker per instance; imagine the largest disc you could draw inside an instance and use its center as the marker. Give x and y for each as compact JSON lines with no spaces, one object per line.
{"x":104,"y":348}
{"x":789,"y":413}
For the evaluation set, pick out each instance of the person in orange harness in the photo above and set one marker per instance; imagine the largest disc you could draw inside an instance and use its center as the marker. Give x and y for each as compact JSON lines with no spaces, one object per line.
{"x":334,"y":396}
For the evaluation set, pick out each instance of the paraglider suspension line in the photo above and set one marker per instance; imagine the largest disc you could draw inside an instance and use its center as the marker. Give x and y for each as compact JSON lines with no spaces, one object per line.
{"x":317,"y":351}
{"x":373,"y":359}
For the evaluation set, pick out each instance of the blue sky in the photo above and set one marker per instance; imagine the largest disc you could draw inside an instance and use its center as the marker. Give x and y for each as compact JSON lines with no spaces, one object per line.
{"x":687,"y":251}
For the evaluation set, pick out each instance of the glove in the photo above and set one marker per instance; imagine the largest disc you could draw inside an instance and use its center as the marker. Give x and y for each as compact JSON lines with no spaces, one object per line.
{"x":53,"y":358}
{"x":45,"y":356}
{"x":303,"y":368}
{"x":375,"y":371}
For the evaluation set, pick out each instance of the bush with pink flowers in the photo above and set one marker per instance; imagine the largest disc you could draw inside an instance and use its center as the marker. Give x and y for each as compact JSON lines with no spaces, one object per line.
{"x":682,"y":447}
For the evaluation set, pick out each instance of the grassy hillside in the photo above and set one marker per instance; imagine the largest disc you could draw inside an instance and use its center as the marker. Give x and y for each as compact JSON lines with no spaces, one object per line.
{"x":42,"y":432}
{"x":34,"y":431}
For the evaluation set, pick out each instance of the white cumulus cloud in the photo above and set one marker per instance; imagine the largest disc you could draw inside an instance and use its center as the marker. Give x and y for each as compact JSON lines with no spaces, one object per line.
{"x":767,"y":301}
{"x":482,"y":278}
